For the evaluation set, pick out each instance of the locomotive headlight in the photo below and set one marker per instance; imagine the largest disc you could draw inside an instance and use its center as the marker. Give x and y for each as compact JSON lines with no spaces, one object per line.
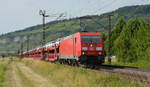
{"x":99,"y":48}
{"x":84,"y":48}
{"x":99,"y":53}
{"x":83,"y":53}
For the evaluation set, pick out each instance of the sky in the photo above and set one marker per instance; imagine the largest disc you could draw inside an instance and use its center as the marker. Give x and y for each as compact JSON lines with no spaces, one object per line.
{"x":20,"y":14}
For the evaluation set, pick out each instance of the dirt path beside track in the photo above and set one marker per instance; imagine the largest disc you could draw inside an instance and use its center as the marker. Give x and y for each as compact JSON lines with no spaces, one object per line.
{"x":19,"y":75}
{"x":37,"y":80}
{"x":11,"y":77}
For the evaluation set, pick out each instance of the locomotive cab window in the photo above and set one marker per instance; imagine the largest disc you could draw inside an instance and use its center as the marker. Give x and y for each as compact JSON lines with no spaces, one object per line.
{"x":91,"y":39}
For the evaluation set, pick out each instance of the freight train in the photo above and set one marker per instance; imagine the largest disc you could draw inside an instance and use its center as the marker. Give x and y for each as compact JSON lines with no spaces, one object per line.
{"x":78,"y":48}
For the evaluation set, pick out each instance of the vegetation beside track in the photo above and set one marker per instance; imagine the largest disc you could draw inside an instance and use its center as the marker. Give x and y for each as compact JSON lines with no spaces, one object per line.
{"x":139,"y":64}
{"x":66,"y":76}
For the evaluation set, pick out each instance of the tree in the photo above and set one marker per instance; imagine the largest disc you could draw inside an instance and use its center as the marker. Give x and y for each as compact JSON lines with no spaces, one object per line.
{"x":115,"y":33}
{"x":143,"y":40}
{"x":125,"y":45}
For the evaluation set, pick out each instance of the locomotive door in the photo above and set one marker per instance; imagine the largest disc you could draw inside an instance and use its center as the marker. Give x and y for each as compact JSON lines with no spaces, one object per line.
{"x":74,"y":48}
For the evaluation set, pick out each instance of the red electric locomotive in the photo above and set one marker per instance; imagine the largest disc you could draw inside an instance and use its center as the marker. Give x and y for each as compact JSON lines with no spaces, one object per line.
{"x":81,"y":47}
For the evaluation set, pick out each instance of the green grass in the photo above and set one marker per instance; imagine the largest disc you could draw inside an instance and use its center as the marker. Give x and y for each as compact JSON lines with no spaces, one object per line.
{"x":66,"y":76}
{"x":1,"y":75}
{"x":3,"y":68}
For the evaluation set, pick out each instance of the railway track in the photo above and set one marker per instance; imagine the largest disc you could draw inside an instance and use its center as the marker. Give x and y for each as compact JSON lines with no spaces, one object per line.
{"x":131,"y":73}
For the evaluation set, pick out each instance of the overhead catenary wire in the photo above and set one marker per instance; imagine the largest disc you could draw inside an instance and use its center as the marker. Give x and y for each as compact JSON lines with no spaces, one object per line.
{"x":104,"y":6}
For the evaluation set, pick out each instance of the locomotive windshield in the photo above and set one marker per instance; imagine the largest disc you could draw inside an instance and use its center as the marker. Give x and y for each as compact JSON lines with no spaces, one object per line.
{"x":90,"y":39}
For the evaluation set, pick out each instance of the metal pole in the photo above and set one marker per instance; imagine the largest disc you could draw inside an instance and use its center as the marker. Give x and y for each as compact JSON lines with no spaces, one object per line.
{"x":18,"y":52}
{"x":43,"y":13}
{"x":82,"y":26}
{"x":43,"y":34}
{"x":43,"y":52}
{"x":21,"y":49}
{"x":109,"y":38}
{"x":27,"y":43}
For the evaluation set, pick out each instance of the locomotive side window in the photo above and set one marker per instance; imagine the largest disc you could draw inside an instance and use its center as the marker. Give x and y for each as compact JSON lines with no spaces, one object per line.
{"x":39,"y":54}
{"x":51,"y":51}
{"x":90,"y":39}
{"x":75,"y":40}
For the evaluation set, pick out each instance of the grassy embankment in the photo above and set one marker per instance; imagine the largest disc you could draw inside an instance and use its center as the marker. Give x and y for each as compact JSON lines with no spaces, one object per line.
{"x":66,"y":76}
{"x":140,"y":64}
{"x":3,"y":67}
